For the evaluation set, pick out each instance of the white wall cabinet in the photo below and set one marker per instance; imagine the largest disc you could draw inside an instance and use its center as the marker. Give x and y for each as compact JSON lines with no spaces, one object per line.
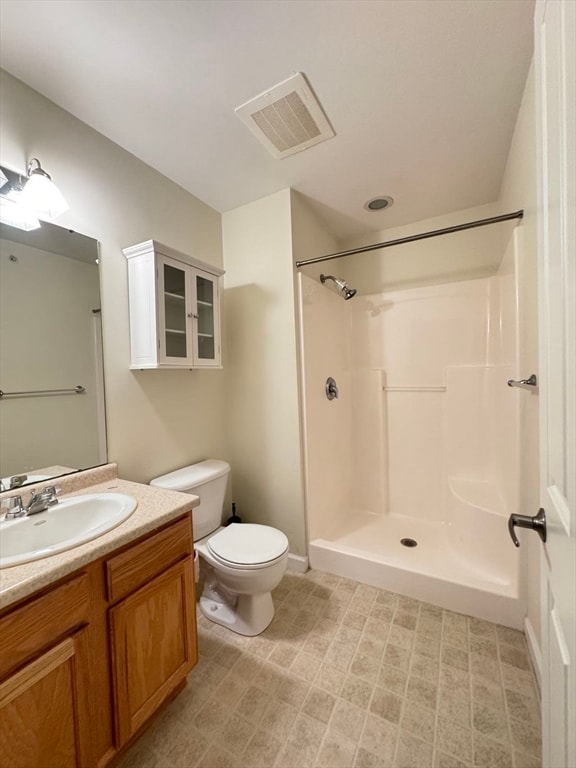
{"x":174,"y":308}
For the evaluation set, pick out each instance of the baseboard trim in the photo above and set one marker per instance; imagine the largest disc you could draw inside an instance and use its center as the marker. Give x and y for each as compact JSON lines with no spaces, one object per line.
{"x":297,"y":563}
{"x":534,"y":651}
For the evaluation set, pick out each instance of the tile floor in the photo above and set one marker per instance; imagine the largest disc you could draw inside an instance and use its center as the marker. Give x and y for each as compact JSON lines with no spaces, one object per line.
{"x":349,"y":676}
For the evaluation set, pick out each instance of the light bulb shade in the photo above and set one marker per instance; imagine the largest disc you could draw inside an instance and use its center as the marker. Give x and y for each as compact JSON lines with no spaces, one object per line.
{"x":43,"y":198}
{"x":17,"y":215}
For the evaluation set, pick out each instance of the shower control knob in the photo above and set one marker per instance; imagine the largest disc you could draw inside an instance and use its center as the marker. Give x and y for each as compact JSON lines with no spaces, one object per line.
{"x":536,"y":523}
{"x":331,"y":388}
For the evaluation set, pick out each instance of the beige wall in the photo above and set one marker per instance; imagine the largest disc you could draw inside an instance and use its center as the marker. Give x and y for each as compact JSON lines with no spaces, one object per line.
{"x":157,"y":420}
{"x":262,"y":409}
{"x":519,"y":190}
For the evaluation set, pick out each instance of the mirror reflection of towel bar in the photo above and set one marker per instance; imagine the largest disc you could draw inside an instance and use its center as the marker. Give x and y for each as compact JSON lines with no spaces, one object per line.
{"x":78,"y":390}
{"x":530,"y":383}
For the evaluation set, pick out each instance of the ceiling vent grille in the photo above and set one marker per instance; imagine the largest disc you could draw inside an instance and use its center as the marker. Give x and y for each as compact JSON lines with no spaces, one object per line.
{"x":287,"y":118}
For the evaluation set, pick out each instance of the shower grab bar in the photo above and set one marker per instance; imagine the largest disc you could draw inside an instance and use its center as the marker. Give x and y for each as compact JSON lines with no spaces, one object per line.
{"x":78,"y":390}
{"x":530,"y":383}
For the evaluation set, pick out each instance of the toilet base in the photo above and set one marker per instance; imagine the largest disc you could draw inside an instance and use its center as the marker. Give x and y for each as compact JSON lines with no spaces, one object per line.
{"x":244,"y":614}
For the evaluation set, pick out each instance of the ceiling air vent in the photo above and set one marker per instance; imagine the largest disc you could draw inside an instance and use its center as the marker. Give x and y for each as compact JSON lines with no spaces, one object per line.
{"x":287,"y":118}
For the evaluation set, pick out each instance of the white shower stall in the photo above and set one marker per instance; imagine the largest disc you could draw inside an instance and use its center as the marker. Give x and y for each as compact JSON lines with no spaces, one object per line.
{"x":421,"y":443}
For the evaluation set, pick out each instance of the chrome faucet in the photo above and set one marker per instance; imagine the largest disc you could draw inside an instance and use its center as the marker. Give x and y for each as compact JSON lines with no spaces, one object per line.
{"x":9,"y":483}
{"x":39,"y":502}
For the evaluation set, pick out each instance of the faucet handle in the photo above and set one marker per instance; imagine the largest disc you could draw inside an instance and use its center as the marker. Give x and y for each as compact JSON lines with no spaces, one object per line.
{"x":14,"y":507}
{"x":51,"y":491}
{"x":13,"y":501}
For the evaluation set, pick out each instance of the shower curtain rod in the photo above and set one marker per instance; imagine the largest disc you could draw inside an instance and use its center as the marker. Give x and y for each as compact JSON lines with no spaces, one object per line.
{"x":413,"y":238}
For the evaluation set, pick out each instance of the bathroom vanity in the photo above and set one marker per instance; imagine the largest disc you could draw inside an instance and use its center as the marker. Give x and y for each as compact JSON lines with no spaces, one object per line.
{"x":94,"y":640}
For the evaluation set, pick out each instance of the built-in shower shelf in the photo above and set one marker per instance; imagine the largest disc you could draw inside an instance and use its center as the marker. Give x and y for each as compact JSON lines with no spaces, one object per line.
{"x":414,"y":389}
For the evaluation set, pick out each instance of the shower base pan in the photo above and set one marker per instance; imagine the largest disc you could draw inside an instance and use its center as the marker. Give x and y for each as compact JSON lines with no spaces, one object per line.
{"x":433,"y":571}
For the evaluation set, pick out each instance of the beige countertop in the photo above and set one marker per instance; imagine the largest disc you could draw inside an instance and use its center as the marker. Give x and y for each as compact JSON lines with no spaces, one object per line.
{"x":156,"y":507}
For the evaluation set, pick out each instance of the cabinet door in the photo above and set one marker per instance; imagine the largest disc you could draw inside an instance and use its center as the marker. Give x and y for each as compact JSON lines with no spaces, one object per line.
{"x":206,"y":320}
{"x":174,"y":313}
{"x":40,"y":708}
{"x":153,"y":645}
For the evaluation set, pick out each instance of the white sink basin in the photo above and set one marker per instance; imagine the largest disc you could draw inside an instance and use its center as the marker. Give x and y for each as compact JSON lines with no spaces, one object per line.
{"x":66,"y":525}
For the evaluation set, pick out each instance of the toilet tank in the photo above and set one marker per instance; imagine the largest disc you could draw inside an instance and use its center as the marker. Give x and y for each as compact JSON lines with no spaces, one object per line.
{"x":207,"y":479}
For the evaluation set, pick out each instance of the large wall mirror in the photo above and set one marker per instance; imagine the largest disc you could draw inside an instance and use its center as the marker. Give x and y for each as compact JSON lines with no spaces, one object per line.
{"x":52,"y":418}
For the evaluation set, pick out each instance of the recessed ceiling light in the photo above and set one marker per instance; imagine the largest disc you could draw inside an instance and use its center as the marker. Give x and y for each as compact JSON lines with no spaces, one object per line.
{"x":378,"y":203}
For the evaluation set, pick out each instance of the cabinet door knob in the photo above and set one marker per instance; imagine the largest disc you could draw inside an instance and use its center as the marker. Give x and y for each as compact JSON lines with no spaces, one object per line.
{"x":191,"y":314}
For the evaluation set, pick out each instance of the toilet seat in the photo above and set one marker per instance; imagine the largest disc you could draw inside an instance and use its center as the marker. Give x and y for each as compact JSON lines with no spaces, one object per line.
{"x":247,"y":546}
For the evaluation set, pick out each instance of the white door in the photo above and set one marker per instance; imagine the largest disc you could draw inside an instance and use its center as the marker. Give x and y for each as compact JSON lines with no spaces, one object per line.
{"x":555,"y":36}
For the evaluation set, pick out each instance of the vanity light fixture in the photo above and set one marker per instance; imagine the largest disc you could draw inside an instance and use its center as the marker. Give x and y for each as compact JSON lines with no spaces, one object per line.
{"x":26,"y":199}
{"x":12,"y":212}
{"x":41,"y":195}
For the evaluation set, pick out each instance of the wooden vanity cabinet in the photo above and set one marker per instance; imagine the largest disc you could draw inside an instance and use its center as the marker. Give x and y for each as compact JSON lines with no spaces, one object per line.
{"x":153,"y":628}
{"x":40,"y":709}
{"x":85,"y":664}
{"x":44,"y":658}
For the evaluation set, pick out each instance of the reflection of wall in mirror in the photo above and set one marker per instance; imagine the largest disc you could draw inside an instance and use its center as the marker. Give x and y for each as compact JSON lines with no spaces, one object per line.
{"x":49,"y":339}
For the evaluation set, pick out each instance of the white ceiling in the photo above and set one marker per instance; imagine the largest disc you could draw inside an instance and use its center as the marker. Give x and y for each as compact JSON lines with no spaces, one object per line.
{"x":422,"y":94}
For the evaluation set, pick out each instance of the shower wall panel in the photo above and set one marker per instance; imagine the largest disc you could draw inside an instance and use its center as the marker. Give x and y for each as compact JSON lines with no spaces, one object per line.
{"x":414,"y":334}
{"x":504,"y":411}
{"x":369,"y":481}
{"x":328,"y":447}
{"x":416,"y":462}
{"x":411,"y":337}
{"x":423,"y":398}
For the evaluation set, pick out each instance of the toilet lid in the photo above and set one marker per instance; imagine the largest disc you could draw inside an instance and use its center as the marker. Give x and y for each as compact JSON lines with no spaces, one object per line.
{"x":248,"y":544}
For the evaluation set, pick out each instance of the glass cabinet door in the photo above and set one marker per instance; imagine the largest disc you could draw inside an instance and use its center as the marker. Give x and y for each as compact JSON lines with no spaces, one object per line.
{"x":174,"y":312}
{"x":206,"y":333}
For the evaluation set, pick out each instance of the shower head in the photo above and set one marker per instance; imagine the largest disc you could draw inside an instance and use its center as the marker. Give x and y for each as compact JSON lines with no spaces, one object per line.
{"x":341,"y":285}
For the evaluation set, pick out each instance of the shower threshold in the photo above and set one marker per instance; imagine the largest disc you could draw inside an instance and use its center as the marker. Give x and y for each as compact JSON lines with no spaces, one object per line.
{"x":371,"y":552}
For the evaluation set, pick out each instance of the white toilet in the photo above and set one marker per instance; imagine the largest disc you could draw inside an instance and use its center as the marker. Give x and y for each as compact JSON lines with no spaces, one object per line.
{"x":243,"y":562}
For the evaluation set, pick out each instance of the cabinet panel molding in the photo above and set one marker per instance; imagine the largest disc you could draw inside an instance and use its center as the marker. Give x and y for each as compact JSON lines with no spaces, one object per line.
{"x":153,"y":645}
{"x":44,"y":710}
{"x":139,"y":564}
{"x":35,"y":671}
{"x":26,"y":631}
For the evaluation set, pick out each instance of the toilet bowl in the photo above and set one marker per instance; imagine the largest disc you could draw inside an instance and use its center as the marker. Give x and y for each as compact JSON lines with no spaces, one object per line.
{"x":242,"y":563}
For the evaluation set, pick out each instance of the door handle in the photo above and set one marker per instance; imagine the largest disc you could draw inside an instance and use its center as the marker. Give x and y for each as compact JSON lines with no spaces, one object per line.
{"x":536,"y":523}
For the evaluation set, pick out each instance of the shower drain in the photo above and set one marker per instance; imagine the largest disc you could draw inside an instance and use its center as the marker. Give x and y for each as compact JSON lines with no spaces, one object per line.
{"x":409,"y":542}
